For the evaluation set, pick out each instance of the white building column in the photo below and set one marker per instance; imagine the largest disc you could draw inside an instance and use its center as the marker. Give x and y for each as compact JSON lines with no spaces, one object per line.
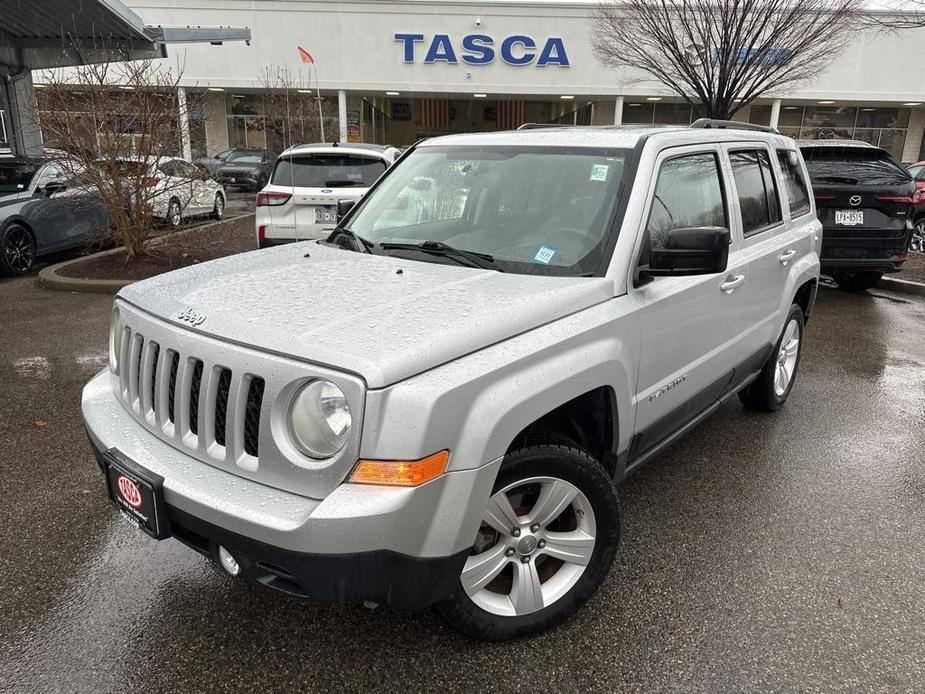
{"x":618,"y":111}
{"x":342,"y":113}
{"x":775,"y":113}
{"x":184,"y":124}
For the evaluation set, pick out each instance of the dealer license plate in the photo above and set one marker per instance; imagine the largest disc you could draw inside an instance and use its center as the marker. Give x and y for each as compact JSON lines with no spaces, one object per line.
{"x":849,"y":218}
{"x":325,"y":215}
{"x":137,"y":493}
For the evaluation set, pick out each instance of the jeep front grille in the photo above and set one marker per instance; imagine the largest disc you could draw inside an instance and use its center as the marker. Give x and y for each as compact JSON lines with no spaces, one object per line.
{"x":205,"y":407}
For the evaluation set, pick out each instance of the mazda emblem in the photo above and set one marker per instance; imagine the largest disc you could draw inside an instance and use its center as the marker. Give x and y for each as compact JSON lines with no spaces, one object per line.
{"x":855,"y":200}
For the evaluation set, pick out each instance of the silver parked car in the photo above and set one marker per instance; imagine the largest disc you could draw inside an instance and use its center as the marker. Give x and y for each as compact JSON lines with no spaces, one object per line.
{"x":435,"y":405}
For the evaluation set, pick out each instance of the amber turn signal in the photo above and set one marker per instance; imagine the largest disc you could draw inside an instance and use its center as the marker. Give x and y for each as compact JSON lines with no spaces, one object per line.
{"x":400,"y":473}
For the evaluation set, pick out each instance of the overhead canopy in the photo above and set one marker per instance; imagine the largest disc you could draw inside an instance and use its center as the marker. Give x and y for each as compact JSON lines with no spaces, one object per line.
{"x":40,"y":34}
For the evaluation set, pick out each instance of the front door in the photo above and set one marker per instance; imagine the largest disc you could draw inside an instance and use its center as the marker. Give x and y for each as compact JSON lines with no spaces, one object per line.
{"x":692,"y":327}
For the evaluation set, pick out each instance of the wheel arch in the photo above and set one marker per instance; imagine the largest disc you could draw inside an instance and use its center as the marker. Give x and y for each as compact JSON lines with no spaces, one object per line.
{"x":805,"y":297}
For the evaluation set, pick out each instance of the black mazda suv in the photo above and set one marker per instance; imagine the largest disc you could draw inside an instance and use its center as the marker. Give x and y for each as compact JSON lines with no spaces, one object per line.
{"x":864,"y":199}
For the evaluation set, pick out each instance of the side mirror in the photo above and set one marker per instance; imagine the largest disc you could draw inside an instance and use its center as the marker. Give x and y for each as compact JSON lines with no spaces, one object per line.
{"x":689,"y":251}
{"x":54,"y":187}
{"x":343,"y":207}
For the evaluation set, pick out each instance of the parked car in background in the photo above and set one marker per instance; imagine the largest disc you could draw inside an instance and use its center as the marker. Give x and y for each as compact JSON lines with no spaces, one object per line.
{"x":300,"y":201}
{"x":45,"y":207}
{"x":246,"y":168}
{"x":177,"y":190}
{"x":211,"y":164}
{"x":917,"y":242}
{"x":865,"y":201}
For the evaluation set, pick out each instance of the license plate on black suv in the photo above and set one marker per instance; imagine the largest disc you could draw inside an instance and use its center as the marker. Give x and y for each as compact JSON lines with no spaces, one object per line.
{"x":849,"y":218}
{"x":137,"y":493}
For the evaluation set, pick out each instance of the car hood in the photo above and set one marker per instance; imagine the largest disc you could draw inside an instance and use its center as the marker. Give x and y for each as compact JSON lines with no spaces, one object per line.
{"x":239,"y":167}
{"x":383,"y":318}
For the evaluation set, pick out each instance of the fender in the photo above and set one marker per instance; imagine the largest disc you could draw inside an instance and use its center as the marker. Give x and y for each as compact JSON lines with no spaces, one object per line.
{"x":476,"y":405}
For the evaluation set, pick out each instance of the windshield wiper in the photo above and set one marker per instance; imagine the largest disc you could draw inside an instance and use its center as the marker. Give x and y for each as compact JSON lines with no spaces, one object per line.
{"x":340,"y":183}
{"x":470,"y":258}
{"x":359,"y":243}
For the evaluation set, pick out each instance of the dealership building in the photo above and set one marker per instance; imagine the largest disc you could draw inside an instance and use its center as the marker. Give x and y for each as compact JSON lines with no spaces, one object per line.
{"x":393,"y":72}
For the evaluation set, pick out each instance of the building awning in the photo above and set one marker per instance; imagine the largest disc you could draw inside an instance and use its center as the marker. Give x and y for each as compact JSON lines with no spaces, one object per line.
{"x":59,"y":33}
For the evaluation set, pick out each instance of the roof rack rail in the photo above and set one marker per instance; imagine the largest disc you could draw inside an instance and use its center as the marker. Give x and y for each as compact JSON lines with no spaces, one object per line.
{"x":731,"y":125}
{"x":538,"y":126}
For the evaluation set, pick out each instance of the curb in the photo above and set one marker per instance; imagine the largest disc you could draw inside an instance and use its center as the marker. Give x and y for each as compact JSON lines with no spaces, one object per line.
{"x":49,"y":278}
{"x":904,"y":286}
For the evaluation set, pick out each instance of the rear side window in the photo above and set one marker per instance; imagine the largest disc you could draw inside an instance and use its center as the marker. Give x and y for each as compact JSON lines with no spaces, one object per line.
{"x":794,"y":185}
{"x":689,"y":193}
{"x":15,"y":176}
{"x":328,"y":171}
{"x":757,"y":190}
{"x":849,"y":166}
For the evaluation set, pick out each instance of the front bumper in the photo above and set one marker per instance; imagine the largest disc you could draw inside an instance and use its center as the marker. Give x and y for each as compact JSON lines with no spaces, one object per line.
{"x":361,"y":542}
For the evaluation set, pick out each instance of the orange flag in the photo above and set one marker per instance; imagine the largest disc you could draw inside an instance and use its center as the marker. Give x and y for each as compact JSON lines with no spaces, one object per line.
{"x":306,"y":56}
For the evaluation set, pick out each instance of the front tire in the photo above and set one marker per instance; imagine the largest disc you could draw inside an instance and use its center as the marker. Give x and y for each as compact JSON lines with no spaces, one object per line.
{"x":218,"y":207}
{"x":772,"y":387}
{"x":17,"y":250}
{"x":859,"y":282}
{"x":549,"y":536}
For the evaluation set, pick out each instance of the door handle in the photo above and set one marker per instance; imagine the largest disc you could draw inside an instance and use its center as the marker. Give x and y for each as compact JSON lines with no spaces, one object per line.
{"x":731,"y":283}
{"x":786,"y":257}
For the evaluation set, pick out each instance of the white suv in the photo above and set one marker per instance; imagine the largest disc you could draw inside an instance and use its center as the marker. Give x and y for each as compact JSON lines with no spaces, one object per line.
{"x":300,"y":201}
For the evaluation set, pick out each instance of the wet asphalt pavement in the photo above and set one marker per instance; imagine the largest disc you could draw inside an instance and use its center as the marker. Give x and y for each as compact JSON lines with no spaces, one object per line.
{"x":764,"y":552}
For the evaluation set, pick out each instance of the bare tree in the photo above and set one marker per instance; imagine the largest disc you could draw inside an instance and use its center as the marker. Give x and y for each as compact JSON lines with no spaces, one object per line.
{"x":117,"y":123}
{"x":898,"y":15}
{"x":720,"y":55}
{"x":292,"y":109}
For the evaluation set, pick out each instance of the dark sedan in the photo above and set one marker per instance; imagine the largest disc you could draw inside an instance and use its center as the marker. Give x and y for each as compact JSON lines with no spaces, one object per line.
{"x":246,"y":168}
{"x":44,"y":208}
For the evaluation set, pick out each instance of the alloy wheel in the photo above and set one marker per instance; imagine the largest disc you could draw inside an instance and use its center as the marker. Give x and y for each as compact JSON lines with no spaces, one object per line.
{"x":219,"y":209}
{"x":787,"y":358}
{"x":535,"y":542}
{"x":918,"y":237}
{"x":173,"y":214}
{"x":18,"y":251}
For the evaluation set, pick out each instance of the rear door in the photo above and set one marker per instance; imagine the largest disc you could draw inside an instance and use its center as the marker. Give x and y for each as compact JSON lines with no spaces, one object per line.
{"x":692,"y":327}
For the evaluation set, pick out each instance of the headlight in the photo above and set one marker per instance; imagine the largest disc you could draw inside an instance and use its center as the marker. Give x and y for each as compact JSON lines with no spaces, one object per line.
{"x":116,"y":330}
{"x":319,"y":419}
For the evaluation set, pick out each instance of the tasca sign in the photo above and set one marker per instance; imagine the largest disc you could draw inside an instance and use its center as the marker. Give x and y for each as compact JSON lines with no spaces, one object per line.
{"x":482,"y":49}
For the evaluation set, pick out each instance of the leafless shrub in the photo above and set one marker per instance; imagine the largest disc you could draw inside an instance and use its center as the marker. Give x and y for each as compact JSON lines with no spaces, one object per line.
{"x":292,"y":110}
{"x":720,"y":55}
{"x":118,"y":122}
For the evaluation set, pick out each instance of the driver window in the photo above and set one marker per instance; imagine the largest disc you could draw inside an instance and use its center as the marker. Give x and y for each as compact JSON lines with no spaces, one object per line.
{"x":51,"y":172}
{"x":689,"y":193}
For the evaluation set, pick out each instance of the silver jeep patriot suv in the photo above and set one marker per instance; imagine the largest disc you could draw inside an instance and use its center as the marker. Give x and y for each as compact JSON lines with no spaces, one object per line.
{"x":436,"y":404}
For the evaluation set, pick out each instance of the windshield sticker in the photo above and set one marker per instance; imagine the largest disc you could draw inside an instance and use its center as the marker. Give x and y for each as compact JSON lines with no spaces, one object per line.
{"x":599,"y":172}
{"x":544,"y":255}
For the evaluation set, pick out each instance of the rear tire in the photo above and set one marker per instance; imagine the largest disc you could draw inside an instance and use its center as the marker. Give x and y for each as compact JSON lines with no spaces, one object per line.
{"x":859,"y":282}
{"x":565,"y":520}
{"x":772,"y":387}
{"x":174,"y":214}
{"x":17,"y":250}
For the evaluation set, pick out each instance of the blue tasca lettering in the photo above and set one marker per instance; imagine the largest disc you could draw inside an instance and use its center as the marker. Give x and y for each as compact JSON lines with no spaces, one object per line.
{"x":479,"y":47}
{"x":553,"y":53}
{"x":409,"y":40}
{"x":507,"y":46}
{"x":441,"y":50}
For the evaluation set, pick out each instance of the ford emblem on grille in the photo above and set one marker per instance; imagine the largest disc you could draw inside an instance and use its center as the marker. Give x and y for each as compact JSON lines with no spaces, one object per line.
{"x":855,"y":200}
{"x":188,"y":315}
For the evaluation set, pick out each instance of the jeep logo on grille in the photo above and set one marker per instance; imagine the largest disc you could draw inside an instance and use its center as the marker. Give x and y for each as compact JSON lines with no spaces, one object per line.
{"x":855,"y":200}
{"x":188,"y":315}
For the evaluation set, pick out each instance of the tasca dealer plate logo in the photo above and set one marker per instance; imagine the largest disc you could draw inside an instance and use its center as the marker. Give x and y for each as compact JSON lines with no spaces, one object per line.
{"x":188,"y":315}
{"x":129,"y":491}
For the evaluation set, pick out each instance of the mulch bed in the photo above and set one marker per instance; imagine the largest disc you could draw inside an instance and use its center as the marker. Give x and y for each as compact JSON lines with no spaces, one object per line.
{"x":170,"y":252}
{"x":913,"y":269}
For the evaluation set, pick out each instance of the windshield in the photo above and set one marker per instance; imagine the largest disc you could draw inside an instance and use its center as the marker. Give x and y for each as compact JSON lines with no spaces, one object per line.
{"x":15,"y":176}
{"x":535,"y":210}
{"x":853,"y":166}
{"x":245,"y":158}
{"x":328,"y":171}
